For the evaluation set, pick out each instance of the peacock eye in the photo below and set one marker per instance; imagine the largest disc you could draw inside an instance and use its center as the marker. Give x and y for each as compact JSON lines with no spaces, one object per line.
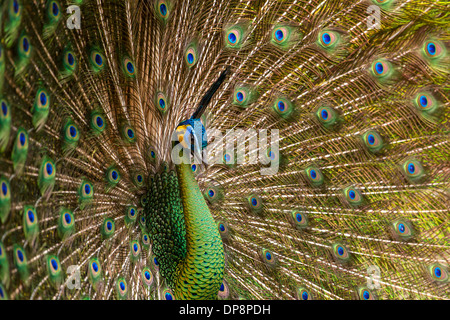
{"x":438,"y":273}
{"x":340,"y":252}
{"x":303,"y":294}
{"x":373,"y":141}
{"x":353,"y":196}
{"x":314,"y":176}
{"x":234,"y":36}
{"x":365,"y":294}
{"x":425,"y":103}
{"x":280,"y":35}
{"x":191,"y":55}
{"x":328,"y":39}
{"x":327,"y":116}
{"x":413,"y":170}
{"x":97,"y":60}
{"x":129,"y":67}
{"x":268,"y":258}
{"x":403,"y":229}
{"x":162,"y":102}
{"x":381,"y":69}
{"x":163,"y":9}
{"x":433,"y":50}
{"x":299,"y":219}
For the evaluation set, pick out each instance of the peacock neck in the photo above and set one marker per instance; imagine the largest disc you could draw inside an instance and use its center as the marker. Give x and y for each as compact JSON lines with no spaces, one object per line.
{"x":201,"y":273}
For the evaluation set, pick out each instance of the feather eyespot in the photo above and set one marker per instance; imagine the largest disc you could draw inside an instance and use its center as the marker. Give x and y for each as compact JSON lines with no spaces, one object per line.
{"x":373,"y":141}
{"x":314,"y":176}
{"x":353,"y":196}
{"x":365,"y":294}
{"x":168,"y":295}
{"x":15,"y":9}
{"x":303,"y":294}
{"x":147,"y":276}
{"x":340,"y":252}
{"x":280,"y":35}
{"x":438,"y":273}
{"x":433,"y":49}
{"x":381,"y":69}
{"x":129,"y":68}
{"x":163,"y":9}
{"x":161,"y":102}
{"x":191,"y":56}
{"x":299,"y":219}
{"x":403,"y":230}
{"x":413,"y":170}
{"x":97,"y":60}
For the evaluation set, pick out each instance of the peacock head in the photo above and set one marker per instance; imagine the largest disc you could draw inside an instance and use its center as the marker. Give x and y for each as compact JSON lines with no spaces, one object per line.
{"x":191,"y":133}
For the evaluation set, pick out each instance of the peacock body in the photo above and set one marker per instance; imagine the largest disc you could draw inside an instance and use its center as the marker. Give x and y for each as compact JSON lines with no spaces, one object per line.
{"x":349,"y":200}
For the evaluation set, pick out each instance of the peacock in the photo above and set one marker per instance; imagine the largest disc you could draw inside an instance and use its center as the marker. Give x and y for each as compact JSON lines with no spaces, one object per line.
{"x":224,"y":149}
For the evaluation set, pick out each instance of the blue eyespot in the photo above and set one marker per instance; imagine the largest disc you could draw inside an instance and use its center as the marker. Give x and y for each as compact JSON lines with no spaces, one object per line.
{"x":25,"y":44}
{"x":411,"y":168}
{"x":211,"y":193}
{"x":70,"y":59}
{"x":340,"y":251}
{"x":371,"y":139}
{"x":135,"y":247}
{"x":98,"y":59}
{"x":139,"y":178}
{"x":222,"y":227}
{"x":15,"y":6}
{"x":122,"y":285}
{"x":109,"y":225}
{"x":313,"y":174}
{"x":73,"y":131}
{"x":423,"y":101}
{"x":168,"y":296}
{"x":162,"y":103}
{"x":324,"y":114}
{"x":279,"y":35}
{"x":227,"y":157}
{"x":190,"y":58}
{"x":352,"y":194}
{"x":43,"y":98}
{"x":240,"y":96}
{"x":68,"y":218}
{"x":54,"y":264}
{"x":431,"y":48}
{"x":114,"y":175}
{"x":155,"y":261}
{"x":145,"y":238}
{"x":130,"y":67}
{"x":20,"y":255}
{"x":55,"y":9}
{"x":152,"y":154}
{"x":379,"y":68}
{"x":305,"y":295}
{"x":222,"y":287}
{"x":254,"y":202}
{"x":147,"y":275}
{"x":194,"y":167}
{"x":326,"y":38}
{"x":366,"y":295}
{"x":401,"y":228}
{"x":281,"y":106}
{"x":232,"y":38}
{"x":99,"y":121}
{"x":95,"y":266}
{"x":299,"y":217}
{"x":4,"y":189}
{"x":22,"y":139}
{"x":4,"y":109}
{"x":437,"y":272}
{"x":49,"y":168}
{"x":130,"y":133}
{"x":132,"y":212}
{"x":163,"y":9}
{"x":31,"y":216}
{"x":268,"y":256}
{"x":87,"y":189}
